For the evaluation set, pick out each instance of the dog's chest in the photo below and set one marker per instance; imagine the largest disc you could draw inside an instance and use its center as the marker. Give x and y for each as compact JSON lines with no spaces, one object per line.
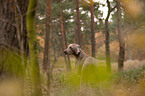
{"x":79,"y":63}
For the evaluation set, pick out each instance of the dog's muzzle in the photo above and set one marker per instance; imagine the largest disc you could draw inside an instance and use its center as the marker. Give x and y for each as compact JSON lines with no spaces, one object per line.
{"x":65,"y":52}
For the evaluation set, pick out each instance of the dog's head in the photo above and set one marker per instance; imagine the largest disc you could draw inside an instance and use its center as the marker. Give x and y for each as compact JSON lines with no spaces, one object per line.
{"x":73,"y":49}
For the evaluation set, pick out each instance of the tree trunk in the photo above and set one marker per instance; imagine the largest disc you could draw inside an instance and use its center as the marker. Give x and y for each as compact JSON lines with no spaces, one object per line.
{"x":35,"y":71}
{"x":8,"y":12}
{"x":7,"y":23}
{"x":121,"y":39}
{"x":13,"y":28}
{"x":46,"y":65}
{"x":92,"y":28}
{"x":107,"y":47}
{"x":78,"y":31}
{"x":128,"y":52}
{"x":54,"y":46}
{"x":64,"y":41}
{"x":22,"y":9}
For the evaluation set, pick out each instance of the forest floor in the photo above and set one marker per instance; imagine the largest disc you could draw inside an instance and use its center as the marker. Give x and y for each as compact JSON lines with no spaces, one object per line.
{"x":130,"y":82}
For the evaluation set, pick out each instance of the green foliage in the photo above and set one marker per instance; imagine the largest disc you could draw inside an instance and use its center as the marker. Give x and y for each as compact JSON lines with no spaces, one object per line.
{"x":71,"y":79}
{"x":11,"y":63}
{"x":130,"y":77}
{"x":69,"y":14}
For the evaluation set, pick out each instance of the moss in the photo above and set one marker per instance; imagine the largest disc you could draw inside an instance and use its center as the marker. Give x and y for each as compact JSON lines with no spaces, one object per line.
{"x":35,"y":71}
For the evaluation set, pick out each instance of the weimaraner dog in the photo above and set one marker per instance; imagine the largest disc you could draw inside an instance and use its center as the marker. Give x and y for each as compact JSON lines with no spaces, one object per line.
{"x":86,"y":65}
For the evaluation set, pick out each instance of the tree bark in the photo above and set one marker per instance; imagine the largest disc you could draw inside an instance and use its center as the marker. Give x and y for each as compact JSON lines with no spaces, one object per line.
{"x":22,"y":9}
{"x":78,"y":31}
{"x":54,"y":46}
{"x":121,"y":39}
{"x":107,"y":40}
{"x":92,"y":28}
{"x":46,"y":65}
{"x":9,"y":12}
{"x":47,"y":37}
{"x":7,"y":22}
{"x":13,"y":29}
{"x":34,"y":61}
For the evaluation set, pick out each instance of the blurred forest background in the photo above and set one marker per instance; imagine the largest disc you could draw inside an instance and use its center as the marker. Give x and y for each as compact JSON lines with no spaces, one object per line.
{"x":34,"y":34}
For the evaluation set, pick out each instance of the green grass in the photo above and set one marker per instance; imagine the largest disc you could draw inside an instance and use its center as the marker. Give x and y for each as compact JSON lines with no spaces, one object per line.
{"x":68,"y":83}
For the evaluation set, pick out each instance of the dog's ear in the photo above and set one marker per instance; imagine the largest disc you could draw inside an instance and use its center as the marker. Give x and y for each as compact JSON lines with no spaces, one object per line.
{"x":77,"y":50}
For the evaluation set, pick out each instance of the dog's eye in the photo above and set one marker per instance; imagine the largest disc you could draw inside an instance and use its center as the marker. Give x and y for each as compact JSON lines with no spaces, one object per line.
{"x":70,"y":47}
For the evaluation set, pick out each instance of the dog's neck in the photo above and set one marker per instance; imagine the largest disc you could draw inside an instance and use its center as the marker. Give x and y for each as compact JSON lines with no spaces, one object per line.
{"x":80,"y":55}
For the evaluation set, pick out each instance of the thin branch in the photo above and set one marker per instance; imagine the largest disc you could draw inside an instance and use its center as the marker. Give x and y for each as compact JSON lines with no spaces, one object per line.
{"x":109,"y":10}
{"x":17,"y":6}
{"x":45,"y":88}
{"x":21,"y":16}
{"x":112,"y":9}
{"x":7,"y":21}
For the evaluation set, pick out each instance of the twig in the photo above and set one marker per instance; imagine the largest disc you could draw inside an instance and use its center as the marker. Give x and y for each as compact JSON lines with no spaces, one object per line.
{"x":8,"y":21}
{"x":44,"y":88}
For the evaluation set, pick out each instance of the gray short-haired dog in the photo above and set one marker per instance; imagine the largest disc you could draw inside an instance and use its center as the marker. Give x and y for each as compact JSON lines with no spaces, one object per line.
{"x":86,"y":65}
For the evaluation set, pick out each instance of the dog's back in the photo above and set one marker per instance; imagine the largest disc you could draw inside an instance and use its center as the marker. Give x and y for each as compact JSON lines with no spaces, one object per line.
{"x":89,"y":69}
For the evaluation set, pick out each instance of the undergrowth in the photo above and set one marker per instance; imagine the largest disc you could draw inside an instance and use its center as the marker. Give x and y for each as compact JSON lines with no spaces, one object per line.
{"x":130,"y":77}
{"x":115,"y":84}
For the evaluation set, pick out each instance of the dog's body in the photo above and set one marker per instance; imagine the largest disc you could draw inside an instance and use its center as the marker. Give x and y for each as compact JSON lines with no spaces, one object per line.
{"x":85,"y":64}
{"x":83,"y":61}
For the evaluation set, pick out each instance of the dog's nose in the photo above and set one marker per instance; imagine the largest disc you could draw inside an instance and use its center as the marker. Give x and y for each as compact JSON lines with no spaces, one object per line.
{"x":65,"y":51}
